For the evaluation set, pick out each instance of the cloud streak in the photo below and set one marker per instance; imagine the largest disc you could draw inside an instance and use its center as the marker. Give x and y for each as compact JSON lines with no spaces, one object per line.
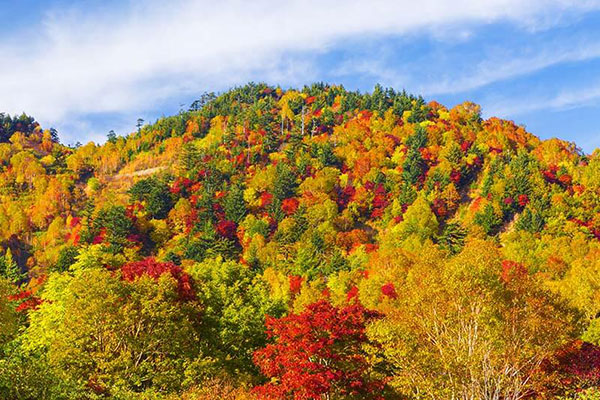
{"x":130,"y":59}
{"x":507,"y":66}
{"x":564,"y":99}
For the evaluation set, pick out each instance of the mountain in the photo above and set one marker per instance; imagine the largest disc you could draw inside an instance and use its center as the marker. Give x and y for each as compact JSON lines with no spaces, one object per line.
{"x":409,"y":250}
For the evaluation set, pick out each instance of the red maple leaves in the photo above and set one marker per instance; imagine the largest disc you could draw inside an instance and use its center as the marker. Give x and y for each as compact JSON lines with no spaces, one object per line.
{"x":523,"y":200}
{"x":317,"y":353}
{"x":576,"y":365}
{"x":27,"y":301}
{"x":154,"y":269}
{"x":389,"y":290}
{"x":290,"y":206}
{"x":295,"y":283}
{"x":227,"y":229}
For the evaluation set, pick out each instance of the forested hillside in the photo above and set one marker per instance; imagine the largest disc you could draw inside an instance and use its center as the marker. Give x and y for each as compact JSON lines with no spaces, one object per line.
{"x":300,"y":244}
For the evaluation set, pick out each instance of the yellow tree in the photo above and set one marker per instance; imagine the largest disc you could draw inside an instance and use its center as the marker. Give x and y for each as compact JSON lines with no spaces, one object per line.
{"x":475,"y":327}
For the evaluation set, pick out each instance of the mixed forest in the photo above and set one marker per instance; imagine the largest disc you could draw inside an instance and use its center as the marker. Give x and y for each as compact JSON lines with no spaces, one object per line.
{"x":300,"y":244}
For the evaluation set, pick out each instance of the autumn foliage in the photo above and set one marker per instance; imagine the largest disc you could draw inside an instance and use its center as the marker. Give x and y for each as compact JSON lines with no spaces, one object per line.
{"x":318,"y":353}
{"x":146,"y":267}
{"x":150,"y":267}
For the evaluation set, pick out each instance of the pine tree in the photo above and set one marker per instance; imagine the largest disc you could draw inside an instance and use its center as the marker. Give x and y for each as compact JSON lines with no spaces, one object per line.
{"x":9,"y":268}
{"x":190,"y":157}
{"x":453,"y":238}
{"x":285,"y":183}
{"x":413,"y":166}
{"x":235,"y":206}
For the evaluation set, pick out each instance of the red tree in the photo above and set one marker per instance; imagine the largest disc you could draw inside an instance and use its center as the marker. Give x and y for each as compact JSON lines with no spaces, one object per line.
{"x":318,"y":353}
{"x":289,"y":206}
{"x":154,"y":269}
{"x":295,"y":283}
{"x":227,"y":229}
{"x":523,"y":200}
{"x":574,"y":367}
{"x":389,"y":290}
{"x":27,"y":301}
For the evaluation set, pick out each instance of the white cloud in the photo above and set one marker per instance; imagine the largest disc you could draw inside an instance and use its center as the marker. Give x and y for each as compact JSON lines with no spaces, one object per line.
{"x":506,"y":66}
{"x":126,"y":60}
{"x":563,"y":99}
{"x":499,"y":63}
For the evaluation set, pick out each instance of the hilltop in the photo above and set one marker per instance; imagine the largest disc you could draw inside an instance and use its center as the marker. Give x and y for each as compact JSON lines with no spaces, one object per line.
{"x":267,"y":202}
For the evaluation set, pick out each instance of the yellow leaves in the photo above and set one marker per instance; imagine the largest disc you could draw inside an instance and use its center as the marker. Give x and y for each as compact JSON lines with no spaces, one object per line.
{"x":5,"y":152}
{"x":499,"y":187}
{"x":276,"y":157}
{"x":84,"y":158}
{"x":251,"y":197}
{"x":399,"y":154}
{"x":179,"y":214}
{"x":19,"y":221}
{"x":290,"y":95}
{"x":335,"y":107}
{"x":263,"y":179}
{"x":192,"y":126}
{"x":343,"y":179}
{"x":278,"y":283}
{"x":389,"y":120}
{"x":325,"y":210}
{"x":419,"y":223}
{"x":309,"y":293}
{"x":55,"y":231}
{"x":19,"y":140}
{"x":253,"y":249}
{"x":451,"y":196}
{"x":160,"y":232}
{"x":581,"y":284}
{"x":8,"y":317}
{"x":324,"y":181}
{"x":444,"y":115}
{"x":48,"y":160}
{"x":215,"y":135}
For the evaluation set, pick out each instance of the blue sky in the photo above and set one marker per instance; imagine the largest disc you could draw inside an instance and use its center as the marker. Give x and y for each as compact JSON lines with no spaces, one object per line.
{"x":85,"y":67}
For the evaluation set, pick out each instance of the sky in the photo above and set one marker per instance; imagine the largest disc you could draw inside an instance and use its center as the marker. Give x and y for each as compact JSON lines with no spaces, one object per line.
{"x":89,"y":66}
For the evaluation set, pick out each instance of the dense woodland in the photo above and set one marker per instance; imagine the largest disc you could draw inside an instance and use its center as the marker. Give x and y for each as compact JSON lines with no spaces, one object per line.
{"x":300,"y":244}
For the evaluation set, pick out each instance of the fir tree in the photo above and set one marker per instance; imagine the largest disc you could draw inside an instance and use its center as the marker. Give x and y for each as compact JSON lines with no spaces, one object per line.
{"x":9,"y":268}
{"x":235,"y":206}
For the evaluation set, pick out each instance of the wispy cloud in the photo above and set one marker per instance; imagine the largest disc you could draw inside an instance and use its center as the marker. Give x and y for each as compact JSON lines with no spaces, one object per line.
{"x":126,"y":59}
{"x":503,"y":66}
{"x":499,"y":64}
{"x":564,"y":99}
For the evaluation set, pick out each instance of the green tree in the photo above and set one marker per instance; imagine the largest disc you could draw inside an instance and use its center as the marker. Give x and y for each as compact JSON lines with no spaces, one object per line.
{"x":413,"y":166}
{"x":116,"y":223}
{"x":488,"y":219}
{"x":155,"y":196}
{"x":284,"y":185}
{"x":235,"y":206}
{"x":111,"y":335}
{"x":9,"y":268}
{"x":236,"y":301}
{"x":66,"y":257}
{"x":420,"y":223}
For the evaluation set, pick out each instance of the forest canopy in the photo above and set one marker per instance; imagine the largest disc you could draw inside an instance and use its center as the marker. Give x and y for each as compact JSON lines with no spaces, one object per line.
{"x":313,"y":243}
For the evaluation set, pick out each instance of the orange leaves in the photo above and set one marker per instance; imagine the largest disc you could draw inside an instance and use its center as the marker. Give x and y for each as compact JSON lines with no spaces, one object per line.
{"x":512,"y":270}
{"x":289,"y":206}
{"x":352,"y":239}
